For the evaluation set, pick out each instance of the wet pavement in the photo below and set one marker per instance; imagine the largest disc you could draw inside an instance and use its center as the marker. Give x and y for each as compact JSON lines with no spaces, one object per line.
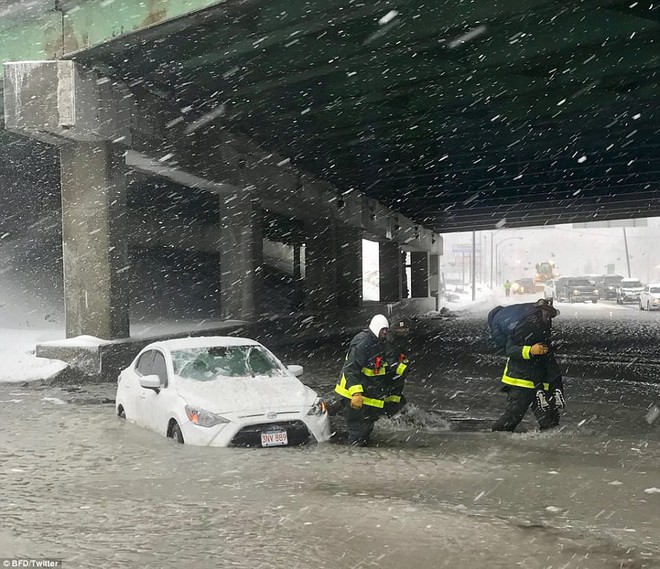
{"x":437,"y":489}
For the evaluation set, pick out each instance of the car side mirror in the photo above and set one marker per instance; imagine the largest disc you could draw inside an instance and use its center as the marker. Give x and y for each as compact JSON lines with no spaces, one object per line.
{"x":150,"y":382}
{"x":295,"y":370}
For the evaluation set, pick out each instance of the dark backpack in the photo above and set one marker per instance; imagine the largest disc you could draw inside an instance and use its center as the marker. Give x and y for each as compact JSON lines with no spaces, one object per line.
{"x":502,"y":321}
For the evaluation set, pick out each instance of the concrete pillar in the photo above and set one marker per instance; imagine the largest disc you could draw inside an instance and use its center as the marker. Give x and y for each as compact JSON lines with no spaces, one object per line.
{"x":349,"y":267}
{"x":390,"y":269}
{"x":320,"y":265}
{"x":241,"y":255}
{"x":419,"y":274}
{"x":434,"y":278}
{"x":94,"y":240}
{"x":298,"y":300}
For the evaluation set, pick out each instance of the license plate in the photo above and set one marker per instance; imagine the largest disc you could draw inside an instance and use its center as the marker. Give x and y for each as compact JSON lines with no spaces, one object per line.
{"x":274,"y":439}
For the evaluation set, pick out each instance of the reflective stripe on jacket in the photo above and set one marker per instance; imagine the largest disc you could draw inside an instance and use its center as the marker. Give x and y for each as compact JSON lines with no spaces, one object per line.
{"x":519,"y":382}
{"x":349,"y":392}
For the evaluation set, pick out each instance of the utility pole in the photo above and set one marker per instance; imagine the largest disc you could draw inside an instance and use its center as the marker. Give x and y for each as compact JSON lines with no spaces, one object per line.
{"x":474,"y":265}
{"x":625,"y":241}
{"x":492,"y":264}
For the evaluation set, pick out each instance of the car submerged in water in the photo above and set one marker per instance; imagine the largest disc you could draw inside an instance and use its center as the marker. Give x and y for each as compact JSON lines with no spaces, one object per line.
{"x":220,"y":391}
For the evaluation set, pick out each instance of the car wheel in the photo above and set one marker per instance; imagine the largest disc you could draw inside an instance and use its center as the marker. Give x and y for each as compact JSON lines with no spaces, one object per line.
{"x":176,"y":434}
{"x":121,"y":413}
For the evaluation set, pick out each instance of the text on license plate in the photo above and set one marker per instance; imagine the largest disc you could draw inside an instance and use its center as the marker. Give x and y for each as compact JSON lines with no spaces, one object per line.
{"x":274,"y":439}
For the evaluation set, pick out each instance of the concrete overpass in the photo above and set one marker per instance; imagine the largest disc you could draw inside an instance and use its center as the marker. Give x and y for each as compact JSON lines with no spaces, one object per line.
{"x":319,"y":123}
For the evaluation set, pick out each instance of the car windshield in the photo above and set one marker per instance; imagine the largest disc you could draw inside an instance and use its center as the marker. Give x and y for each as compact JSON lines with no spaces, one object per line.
{"x":612,"y":280}
{"x":206,"y":364}
{"x":579,"y":282}
{"x":631,"y":284}
{"x":655,"y":289}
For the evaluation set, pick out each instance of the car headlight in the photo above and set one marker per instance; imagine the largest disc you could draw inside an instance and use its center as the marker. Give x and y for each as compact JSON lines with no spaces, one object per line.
{"x":204,"y":418}
{"x":318,"y":408}
{"x":576,"y":291}
{"x":596,"y":291}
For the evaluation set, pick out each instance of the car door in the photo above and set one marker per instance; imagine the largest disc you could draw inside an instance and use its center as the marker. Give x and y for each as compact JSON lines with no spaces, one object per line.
{"x":143,"y":367}
{"x":158,"y":404}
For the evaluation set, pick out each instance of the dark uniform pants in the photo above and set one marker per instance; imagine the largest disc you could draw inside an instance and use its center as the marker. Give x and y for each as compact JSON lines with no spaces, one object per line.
{"x":360,"y":422}
{"x":518,"y":400}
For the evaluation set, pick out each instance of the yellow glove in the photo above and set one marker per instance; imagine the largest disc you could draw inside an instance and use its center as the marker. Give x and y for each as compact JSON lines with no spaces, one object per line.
{"x":539,"y":350}
{"x":356,"y":401}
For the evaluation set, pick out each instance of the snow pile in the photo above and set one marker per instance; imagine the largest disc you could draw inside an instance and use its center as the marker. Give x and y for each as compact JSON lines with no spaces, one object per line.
{"x":19,"y":363}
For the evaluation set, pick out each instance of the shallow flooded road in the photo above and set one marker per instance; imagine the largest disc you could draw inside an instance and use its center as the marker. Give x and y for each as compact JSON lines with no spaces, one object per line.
{"x":437,"y":490}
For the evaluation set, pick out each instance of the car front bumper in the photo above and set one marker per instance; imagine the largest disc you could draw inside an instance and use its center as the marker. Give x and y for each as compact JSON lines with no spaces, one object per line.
{"x":300,"y":428}
{"x":629,"y":297}
{"x":583,"y":297}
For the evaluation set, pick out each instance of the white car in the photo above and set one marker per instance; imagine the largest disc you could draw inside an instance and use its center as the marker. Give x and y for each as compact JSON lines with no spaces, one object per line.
{"x":220,"y":391}
{"x":649,"y":298}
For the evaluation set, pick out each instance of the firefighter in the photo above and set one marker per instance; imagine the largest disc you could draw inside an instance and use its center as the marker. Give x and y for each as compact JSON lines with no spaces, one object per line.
{"x":532,"y":376}
{"x":396,"y":355}
{"x":362,"y":381}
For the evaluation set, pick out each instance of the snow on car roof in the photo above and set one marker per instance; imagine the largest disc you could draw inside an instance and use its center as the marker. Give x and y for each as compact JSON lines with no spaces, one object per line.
{"x":204,"y":342}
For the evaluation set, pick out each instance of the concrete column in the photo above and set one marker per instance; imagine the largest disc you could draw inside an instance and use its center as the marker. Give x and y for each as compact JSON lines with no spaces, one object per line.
{"x":241,"y":255}
{"x":349,"y":266}
{"x":299,"y":283}
{"x":434,"y":278}
{"x":320,"y":265}
{"x":419,"y":274}
{"x":390,"y":269}
{"x":93,"y":187}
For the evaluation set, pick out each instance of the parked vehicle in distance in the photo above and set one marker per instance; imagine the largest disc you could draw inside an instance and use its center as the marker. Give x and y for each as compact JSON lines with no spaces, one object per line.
{"x":649,"y":298}
{"x":607,"y":285}
{"x":523,"y":286}
{"x":628,"y":290}
{"x":575,"y":289}
{"x":549,"y":289}
{"x":220,"y":391}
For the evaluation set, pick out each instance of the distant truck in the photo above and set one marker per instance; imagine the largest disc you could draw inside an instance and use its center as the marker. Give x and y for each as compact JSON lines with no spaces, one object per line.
{"x":575,"y":289}
{"x":545,"y":271}
{"x":607,"y":285}
{"x":628,"y":291}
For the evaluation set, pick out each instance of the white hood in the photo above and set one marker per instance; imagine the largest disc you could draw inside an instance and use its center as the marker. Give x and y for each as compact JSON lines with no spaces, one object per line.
{"x":246,"y":394}
{"x":377,"y":323}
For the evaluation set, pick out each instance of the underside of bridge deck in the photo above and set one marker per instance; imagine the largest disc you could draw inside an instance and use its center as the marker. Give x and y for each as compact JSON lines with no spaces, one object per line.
{"x":458,"y":115}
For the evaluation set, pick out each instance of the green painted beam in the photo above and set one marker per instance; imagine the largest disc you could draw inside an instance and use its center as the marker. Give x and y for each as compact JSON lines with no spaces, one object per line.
{"x":89,"y":23}
{"x":37,"y":38}
{"x":82,"y":24}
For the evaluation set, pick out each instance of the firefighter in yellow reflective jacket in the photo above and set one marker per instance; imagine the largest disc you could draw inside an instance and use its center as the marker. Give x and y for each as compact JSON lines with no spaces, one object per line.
{"x":361,"y":382}
{"x":396,"y":355}
{"x":532,"y":377}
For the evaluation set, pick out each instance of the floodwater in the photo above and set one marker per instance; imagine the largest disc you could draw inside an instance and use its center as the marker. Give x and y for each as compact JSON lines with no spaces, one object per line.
{"x":437,"y":489}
